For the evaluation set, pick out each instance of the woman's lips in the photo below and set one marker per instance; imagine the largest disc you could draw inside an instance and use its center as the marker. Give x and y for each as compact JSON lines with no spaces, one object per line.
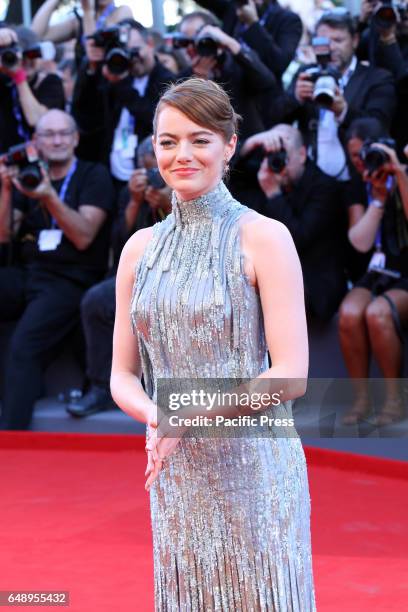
{"x":185,"y":171}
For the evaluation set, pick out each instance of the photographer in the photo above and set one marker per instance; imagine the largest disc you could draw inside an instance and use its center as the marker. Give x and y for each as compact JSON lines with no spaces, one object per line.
{"x":144,"y":201}
{"x":115,"y":95}
{"x":270,"y":30}
{"x":216,"y":56}
{"x":57,"y":214}
{"x":96,"y":14}
{"x":357,"y":91}
{"x":25,"y":92}
{"x":373,"y":312}
{"x":384,"y":42}
{"x":306,"y":201}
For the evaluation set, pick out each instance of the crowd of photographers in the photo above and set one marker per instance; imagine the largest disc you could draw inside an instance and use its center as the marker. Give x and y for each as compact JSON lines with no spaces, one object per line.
{"x":321,"y":150}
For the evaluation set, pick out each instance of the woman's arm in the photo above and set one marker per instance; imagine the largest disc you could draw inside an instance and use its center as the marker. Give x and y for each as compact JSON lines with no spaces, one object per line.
{"x":126,"y":388}
{"x":121,"y":12}
{"x":270,"y":248}
{"x":363,"y":226}
{"x":57,"y":33}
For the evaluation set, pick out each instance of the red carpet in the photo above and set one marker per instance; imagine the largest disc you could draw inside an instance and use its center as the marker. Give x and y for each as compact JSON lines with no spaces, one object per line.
{"x":74,"y":517}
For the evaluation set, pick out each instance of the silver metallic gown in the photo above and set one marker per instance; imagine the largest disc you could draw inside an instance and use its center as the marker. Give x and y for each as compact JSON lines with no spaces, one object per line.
{"x":230,"y":516}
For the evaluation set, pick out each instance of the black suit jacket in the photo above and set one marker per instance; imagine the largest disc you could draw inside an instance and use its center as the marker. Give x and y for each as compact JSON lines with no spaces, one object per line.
{"x":275,"y":43}
{"x":97,"y":105}
{"x":370,"y":92}
{"x":245,"y":78}
{"x":313,"y":214}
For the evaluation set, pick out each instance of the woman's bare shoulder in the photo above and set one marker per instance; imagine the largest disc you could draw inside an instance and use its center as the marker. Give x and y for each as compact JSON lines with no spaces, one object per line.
{"x":260,"y":231}
{"x":136,"y":245}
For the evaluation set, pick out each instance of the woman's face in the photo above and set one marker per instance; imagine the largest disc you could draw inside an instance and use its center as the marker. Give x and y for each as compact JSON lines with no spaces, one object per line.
{"x":354,"y":147}
{"x":190,"y":157}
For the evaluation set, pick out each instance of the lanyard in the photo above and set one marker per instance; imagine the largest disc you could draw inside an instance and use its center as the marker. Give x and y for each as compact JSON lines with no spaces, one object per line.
{"x":64,"y":187}
{"x":101,"y":21}
{"x":21,"y":130}
{"x":128,"y":130}
{"x":389,"y":184}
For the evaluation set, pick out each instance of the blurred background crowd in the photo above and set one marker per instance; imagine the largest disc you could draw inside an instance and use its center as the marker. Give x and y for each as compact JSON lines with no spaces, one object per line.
{"x":321,"y":89}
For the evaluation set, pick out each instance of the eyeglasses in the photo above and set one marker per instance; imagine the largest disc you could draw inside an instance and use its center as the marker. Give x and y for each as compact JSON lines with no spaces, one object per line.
{"x":50,"y":134}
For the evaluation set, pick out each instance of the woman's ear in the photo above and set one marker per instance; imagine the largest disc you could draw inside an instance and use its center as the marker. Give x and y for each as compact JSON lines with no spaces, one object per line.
{"x":232,"y":145}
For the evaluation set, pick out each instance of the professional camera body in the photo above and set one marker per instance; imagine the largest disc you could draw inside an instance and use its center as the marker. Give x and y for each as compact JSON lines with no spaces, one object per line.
{"x":277,"y":160}
{"x":25,"y":157}
{"x":324,"y":76}
{"x":10,"y":55}
{"x":388,"y":13}
{"x":155,"y":179}
{"x":374,"y":157}
{"x":114,"y":40}
{"x":205,"y":46}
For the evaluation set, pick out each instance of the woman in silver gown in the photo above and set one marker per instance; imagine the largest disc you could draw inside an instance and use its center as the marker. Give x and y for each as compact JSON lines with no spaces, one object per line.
{"x":210,"y":289}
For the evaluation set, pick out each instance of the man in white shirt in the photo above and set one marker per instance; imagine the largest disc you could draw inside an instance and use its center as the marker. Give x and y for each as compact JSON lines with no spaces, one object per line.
{"x":361,"y":91}
{"x":115,"y":111}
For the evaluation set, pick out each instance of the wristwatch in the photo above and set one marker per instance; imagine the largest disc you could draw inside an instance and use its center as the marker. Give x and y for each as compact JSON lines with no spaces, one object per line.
{"x":377,"y":204}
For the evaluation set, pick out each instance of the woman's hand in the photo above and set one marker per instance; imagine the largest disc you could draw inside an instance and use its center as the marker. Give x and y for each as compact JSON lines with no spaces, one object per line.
{"x":159,"y":446}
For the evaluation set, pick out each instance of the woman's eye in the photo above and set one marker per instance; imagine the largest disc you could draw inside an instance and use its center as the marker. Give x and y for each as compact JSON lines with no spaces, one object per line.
{"x":201,"y":141}
{"x":166,"y":143}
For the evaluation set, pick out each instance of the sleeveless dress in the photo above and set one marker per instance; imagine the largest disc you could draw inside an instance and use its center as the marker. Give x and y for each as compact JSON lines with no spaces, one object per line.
{"x":230,"y":516}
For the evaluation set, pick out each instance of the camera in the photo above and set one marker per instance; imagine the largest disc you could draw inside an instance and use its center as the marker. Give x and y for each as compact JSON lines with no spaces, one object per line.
{"x":205,"y":46}
{"x":388,"y":13}
{"x":155,"y":179}
{"x":373,"y":157}
{"x":277,"y":160}
{"x":325,"y":77}
{"x":113,"y":40}
{"x":9,"y":56}
{"x":25,"y":156}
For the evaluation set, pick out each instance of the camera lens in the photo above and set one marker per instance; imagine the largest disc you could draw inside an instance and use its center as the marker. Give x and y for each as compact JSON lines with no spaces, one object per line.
{"x":30,"y":176}
{"x":118,"y":60}
{"x":385,"y":16}
{"x":324,"y":90}
{"x":206,"y":47}
{"x":9,"y":58}
{"x":277,"y":161}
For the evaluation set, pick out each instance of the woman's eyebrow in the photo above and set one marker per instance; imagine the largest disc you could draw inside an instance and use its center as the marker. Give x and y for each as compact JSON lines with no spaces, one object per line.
{"x":200,"y":132}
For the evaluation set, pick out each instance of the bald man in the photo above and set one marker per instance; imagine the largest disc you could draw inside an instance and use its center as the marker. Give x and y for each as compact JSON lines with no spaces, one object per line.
{"x":306,"y":200}
{"x":62,"y":239}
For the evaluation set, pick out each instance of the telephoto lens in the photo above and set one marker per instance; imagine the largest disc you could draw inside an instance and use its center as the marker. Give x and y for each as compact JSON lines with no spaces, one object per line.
{"x":207,"y":47}
{"x":373,"y":156}
{"x":9,"y":56}
{"x":25,"y":157}
{"x":277,"y":160}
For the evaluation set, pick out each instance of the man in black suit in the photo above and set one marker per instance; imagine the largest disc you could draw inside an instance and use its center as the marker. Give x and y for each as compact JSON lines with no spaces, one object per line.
{"x":115,"y":111}
{"x":361,"y":91}
{"x":305,"y":200}
{"x":272,"y":31}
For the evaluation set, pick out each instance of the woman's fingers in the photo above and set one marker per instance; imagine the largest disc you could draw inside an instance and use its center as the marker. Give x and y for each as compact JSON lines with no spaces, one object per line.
{"x":150,"y":464}
{"x":154,"y":474}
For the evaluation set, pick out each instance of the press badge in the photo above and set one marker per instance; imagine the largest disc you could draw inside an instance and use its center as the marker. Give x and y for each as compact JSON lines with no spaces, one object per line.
{"x":377,"y":260}
{"x":49,"y":239}
{"x":126,"y":143}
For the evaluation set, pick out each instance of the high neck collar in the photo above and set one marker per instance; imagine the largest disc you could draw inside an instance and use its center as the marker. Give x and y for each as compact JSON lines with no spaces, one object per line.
{"x":214,"y":204}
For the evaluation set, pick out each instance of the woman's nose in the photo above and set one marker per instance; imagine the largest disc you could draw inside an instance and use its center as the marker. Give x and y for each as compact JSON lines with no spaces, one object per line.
{"x":184,"y":150}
